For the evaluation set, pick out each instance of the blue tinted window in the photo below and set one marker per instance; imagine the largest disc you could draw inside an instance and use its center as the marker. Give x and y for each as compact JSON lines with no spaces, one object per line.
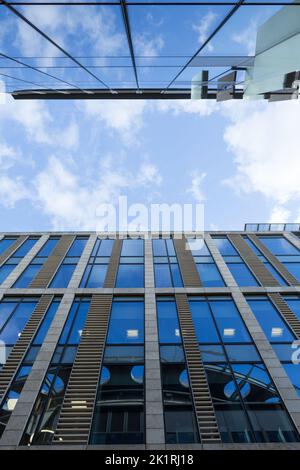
{"x":105,"y":248}
{"x":293,"y":372}
{"x":43,"y":329}
{"x":168,"y":325}
{"x":230,"y":325}
{"x":130,"y":275}
{"x":6,"y":309}
{"x":162,"y":275}
{"x":75,"y":323}
{"x":294,"y":305}
{"x":279,"y":246}
{"x":25,"y":247}
{"x":17,"y":321}
{"x":225,"y":247}
{"x":204,"y":325}
{"x":28,"y":275}
{"x":77,"y":247}
{"x":6,"y":243}
{"x":294,"y":269}
{"x":97,"y":276}
{"x":252,"y":246}
{"x":176,"y":276}
{"x":159,"y":247}
{"x":209,"y":275}
{"x":198,"y":247}
{"x":242,"y":353}
{"x":63,"y":275}
{"x":132,"y":247}
{"x":126,"y":323}
{"x":48,"y":247}
{"x":242,"y":274}
{"x":275,"y":274}
{"x":5,"y":271}
{"x":270,"y":320}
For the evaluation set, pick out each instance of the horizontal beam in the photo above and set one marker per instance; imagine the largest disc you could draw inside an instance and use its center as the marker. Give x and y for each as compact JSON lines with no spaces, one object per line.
{"x":120,"y":94}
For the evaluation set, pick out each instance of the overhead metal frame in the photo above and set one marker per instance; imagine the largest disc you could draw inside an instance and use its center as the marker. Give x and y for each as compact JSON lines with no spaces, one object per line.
{"x":171,"y":89}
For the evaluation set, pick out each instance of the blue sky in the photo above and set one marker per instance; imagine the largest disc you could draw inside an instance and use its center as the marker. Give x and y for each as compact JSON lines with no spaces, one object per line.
{"x":60,"y":160}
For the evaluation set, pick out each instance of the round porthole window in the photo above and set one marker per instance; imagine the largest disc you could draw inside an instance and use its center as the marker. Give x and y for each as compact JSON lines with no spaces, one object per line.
{"x":105,"y":376}
{"x":183,"y":379}
{"x":137,"y":374}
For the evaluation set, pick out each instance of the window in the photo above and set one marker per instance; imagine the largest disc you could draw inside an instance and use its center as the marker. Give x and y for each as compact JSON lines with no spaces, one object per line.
{"x":278,"y":333}
{"x":28,"y":275}
{"x":11,"y":398}
{"x":16,"y":257}
{"x":45,"y":414}
{"x":242,"y":391}
{"x":236,"y":265}
{"x":168,"y":324}
{"x":285,"y":252}
{"x":95,"y":272}
{"x":131,"y":267}
{"x":294,"y":304}
{"x":14,"y":314}
{"x":166,"y":268}
{"x":126,"y":324}
{"x":267,"y":264}
{"x":67,"y":268}
{"x":5,"y":243}
{"x":207,"y":269}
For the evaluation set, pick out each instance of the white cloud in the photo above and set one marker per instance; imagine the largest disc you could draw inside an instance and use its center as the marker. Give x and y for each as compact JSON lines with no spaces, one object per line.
{"x":122,"y":116}
{"x":196,"y":188}
{"x":203,"y":28}
{"x":12,"y":190}
{"x":266,"y":151}
{"x":148,"y":46}
{"x":279,"y":214}
{"x":247,"y":37}
{"x":71,"y":200}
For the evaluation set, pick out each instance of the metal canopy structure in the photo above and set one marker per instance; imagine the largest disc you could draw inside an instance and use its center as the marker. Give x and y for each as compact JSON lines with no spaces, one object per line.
{"x":124,"y":49}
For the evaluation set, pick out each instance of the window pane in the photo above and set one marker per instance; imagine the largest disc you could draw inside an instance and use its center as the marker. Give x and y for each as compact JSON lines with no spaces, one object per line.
{"x":79,"y":322}
{"x":230,"y":325}
{"x":14,"y":327}
{"x":77,"y":247}
{"x":293,"y":371}
{"x":242,"y":274}
{"x":162,"y":275}
{"x":28,"y":275}
{"x":43,"y":329}
{"x":170,"y":247}
{"x":279,"y":246}
{"x":270,"y":320}
{"x":63,"y":275}
{"x":242,"y":353}
{"x":6,"y":243}
{"x":294,"y":269}
{"x":5,"y":271}
{"x":123,"y":354}
{"x":180,"y":426}
{"x":48,"y":247}
{"x":130,"y":275}
{"x":271,"y":423}
{"x":275,"y":274}
{"x":212,"y":353}
{"x":106,"y":247}
{"x":97,"y":275}
{"x":225,"y":247}
{"x":177,"y":281}
{"x":126,"y":323}
{"x":168,"y":325}
{"x":133,"y":248}
{"x":25,"y":247}
{"x":209,"y":275}
{"x":294,"y":305}
{"x":173,"y":354}
{"x":6,"y":309}
{"x":198,"y":247}
{"x":204,"y":325}
{"x":159,"y":247}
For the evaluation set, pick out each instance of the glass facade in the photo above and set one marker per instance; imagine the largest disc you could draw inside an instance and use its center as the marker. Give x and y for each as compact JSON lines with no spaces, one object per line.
{"x":16,"y":257}
{"x":247,"y":406}
{"x":131,"y":264}
{"x":166,"y":267}
{"x":238,"y":268}
{"x":67,"y":268}
{"x":285,"y":252}
{"x":207,"y":269}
